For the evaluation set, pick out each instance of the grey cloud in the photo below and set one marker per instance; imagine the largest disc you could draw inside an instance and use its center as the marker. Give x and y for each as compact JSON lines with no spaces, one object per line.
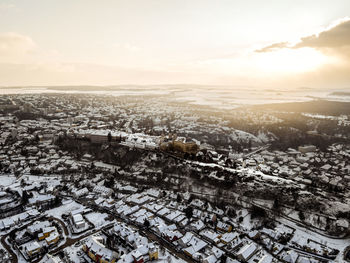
{"x":273,"y":47}
{"x":336,"y":38}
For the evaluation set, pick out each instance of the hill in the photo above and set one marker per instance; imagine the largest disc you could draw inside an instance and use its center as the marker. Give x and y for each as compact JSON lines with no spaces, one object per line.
{"x":325,"y":107}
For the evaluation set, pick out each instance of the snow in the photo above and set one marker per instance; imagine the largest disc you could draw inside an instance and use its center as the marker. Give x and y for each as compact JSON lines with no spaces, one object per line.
{"x":301,"y":235}
{"x":65,"y":208}
{"x":97,"y":219}
{"x":241,"y":136}
{"x":73,"y":251}
{"x":7,"y":180}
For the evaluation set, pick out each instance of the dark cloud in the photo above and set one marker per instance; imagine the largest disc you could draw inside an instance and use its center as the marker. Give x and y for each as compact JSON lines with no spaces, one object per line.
{"x":336,"y":38}
{"x":273,"y":47}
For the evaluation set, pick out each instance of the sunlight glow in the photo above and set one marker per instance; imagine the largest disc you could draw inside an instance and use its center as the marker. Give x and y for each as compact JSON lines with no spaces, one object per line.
{"x":291,"y":60}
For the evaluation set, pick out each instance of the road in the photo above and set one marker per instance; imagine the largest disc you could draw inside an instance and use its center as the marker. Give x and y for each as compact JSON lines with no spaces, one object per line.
{"x":9,"y":249}
{"x":262,"y":148}
{"x":69,"y":241}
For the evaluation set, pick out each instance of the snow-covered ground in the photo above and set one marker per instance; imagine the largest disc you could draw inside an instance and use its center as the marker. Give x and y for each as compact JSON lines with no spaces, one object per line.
{"x":7,"y":180}
{"x":98,"y":219}
{"x":301,"y":236}
{"x":66,"y":207}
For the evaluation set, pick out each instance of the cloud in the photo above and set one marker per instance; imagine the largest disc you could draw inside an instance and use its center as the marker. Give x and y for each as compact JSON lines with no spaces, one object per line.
{"x":12,"y":74}
{"x":337,"y":36}
{"x":6,"y":6}
{"x":273,"y":47}
{"x":16,"y":41}
{"x":334,"y":38}
{"x":15,"y":47}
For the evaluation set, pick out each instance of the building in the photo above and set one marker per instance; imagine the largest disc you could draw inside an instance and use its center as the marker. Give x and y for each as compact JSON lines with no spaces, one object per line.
{"x":137,"y":256}
{"x":10,"y":203}
{"x":78,"y":221}
{"x":179,"y":144}
{"x":32,"y":248}
{"x":307,"y":148}
{"x":153,"y":252}
{"x":46,"y":232}
{"x":247,"y":251}
{"x":53,"y":238}
{"x":195,"y":245}
{"x":51,"y":259}
{"x":222,"y":226}
{"x":99,"y":137}
{"x":98,"y":252}
{"x":228,"y":237}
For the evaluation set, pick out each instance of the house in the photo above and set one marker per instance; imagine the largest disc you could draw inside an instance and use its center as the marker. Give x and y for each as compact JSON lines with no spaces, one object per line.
{"x":153,"y":192}
{"x":46,"y":232}
{"x":171,"y":216}
{"x":98,"y":252}
{"x":171,"y":235}
{"x":290,"y":256}
{"x":122,"y":233}
{"x":214,"y":255}
{"x":51,"y":259}
{"x":53,"y":238}
{"x":100,"y":189}
{"x":326,"y":167}
{"x":266,"y":259}
{"x":228,"y":237}
{"x":217,"y":252}
{"x":222,"y":226}
{"x":307,"y":148}
{"x":138,"y":199}
{"x":210,"y":259}
{"x":78,"y":221}
{"x":50,"y":235}
{"x":195,"y":246}
{"x":98,"y":136}
{"x":180,"y":144}
{"x":33,"y":248}
{"x":198,"y":225}
{"x":210,"y":235}
{"x":185,"y":239}
{"x":138,"y":257}
{"x":42,"y":200}
{"x":305,"y":259}
{"x":179,"y":219}
{"x":81,"y":192}
{"x":163,"y":211}
{"x":153,"y":252}
{"x":37,"y":227}
{"x":247,"y":251}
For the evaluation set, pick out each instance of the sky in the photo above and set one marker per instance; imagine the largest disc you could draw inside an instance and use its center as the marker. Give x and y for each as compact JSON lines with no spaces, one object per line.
{"x":271,"y":43}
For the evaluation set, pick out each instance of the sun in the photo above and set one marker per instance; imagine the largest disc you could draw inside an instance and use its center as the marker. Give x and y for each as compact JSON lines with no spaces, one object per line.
{"x":291,"y":60}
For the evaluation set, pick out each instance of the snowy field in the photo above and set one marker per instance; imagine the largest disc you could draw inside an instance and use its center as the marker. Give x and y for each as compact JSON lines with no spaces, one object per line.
{"x":66,"y":207}
{"x":223,"y":97}
{"x":7,"y":180}
{"x":98,"y":219}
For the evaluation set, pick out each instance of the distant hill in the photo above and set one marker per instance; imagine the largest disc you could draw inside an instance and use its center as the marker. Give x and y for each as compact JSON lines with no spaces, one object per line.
{"x":79,"y":88}
{"x":340,"y":93}
{"x":324,"y":107}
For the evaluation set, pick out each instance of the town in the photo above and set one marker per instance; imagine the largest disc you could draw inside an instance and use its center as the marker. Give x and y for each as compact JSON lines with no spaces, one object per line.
{"x":95,"y":178}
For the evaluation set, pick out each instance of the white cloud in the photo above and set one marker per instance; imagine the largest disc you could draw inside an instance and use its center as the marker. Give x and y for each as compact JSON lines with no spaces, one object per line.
{"x":7,"y":6}
{"x":15,"y":48}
